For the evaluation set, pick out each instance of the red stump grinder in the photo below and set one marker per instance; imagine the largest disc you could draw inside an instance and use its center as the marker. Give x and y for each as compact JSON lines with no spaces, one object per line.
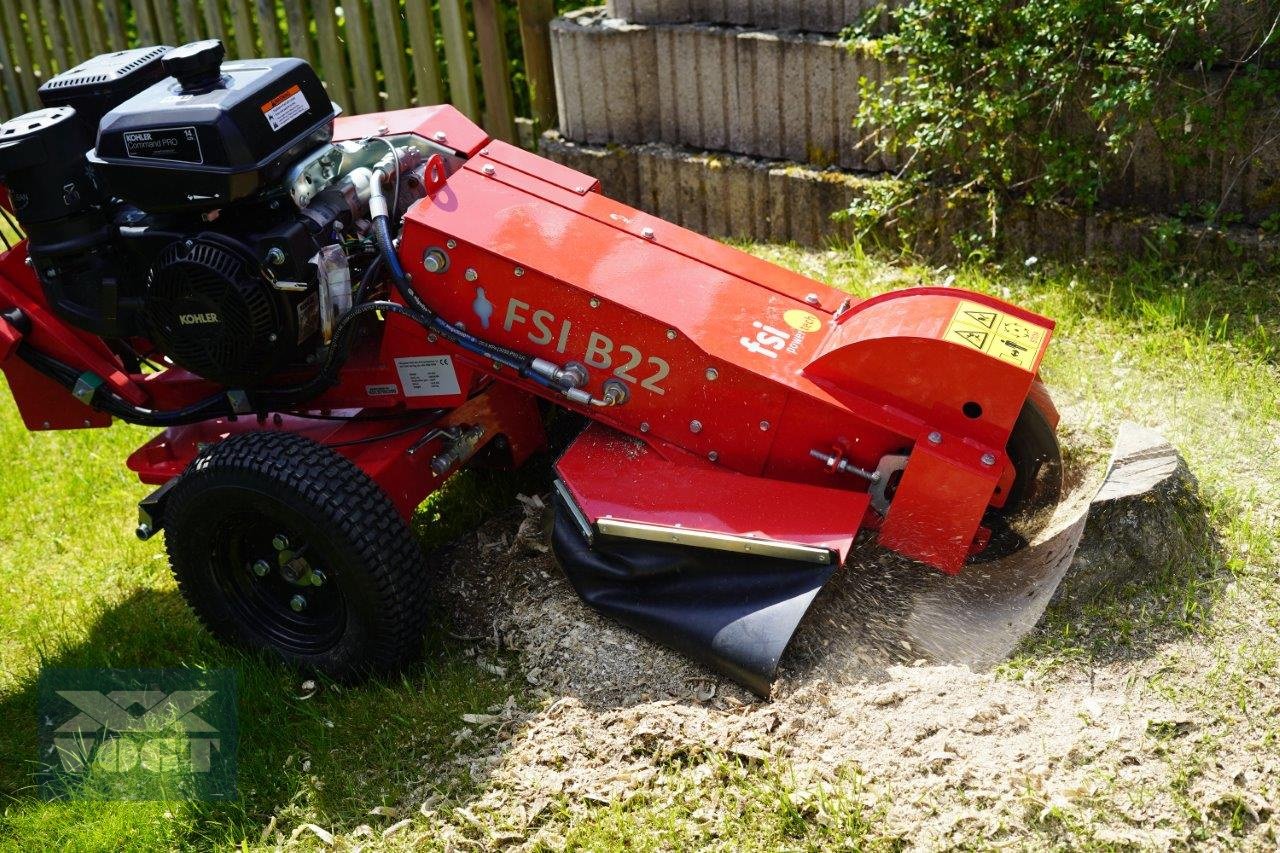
{"x":328,"y":316}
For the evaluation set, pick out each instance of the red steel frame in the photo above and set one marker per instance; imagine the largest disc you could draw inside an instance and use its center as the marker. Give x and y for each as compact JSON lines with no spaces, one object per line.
{"x":736,"y":369}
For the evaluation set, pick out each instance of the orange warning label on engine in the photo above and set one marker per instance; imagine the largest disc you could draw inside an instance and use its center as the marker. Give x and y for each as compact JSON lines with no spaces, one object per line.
{"x":999,"y":335}
{"x":285,"y":107}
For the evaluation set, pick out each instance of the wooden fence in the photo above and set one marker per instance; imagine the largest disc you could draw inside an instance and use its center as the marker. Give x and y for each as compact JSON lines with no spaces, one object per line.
{"x":372,"y":54}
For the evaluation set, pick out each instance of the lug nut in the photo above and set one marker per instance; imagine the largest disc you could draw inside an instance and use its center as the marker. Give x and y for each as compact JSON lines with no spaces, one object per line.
{"x":318,"y":578}
{"x":262,"y":568}
{"x":280,"y":542}
{"x":298,"y":603}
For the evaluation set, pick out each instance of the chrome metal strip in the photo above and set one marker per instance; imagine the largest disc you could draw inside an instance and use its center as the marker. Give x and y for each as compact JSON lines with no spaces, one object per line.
{"x":715,"y":541}
{"x":584,"y":527}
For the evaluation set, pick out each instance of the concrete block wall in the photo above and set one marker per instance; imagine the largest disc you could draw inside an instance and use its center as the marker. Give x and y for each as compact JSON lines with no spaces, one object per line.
{"x":766,"y":200}
{"x":790,"y":96}
{"x":811,"y":16}
{"x":793,"y":96}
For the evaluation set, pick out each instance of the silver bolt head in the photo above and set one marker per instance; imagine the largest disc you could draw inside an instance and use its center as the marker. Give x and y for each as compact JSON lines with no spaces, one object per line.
{"x":713,"y":456}
{"x":440,"y":136}
{"x":764,"y":426}
{"x":813,"y":299}
{"x":712,"y":374}
{"x":595,"y":303}
{"x":262,"y":568}
{"x":489,"y":169}
{"x":644,"y":427}
{"x":434,"y":260}
{"x":671,"y":334}
{"x":451,"y":244}
{"x":988,"y":459}
{"x":276,"y":256}
{"x":647,"y":233}
{"x":280,"y":542}
{"x":935,"y":438}
{"x":298,"y":603}
{"x":519,"y":272}
{"x":471,"y":274}
{"x":695,"y":426}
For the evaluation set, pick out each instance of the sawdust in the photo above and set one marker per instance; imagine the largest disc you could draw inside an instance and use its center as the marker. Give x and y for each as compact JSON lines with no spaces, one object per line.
{"x":951,"y":754}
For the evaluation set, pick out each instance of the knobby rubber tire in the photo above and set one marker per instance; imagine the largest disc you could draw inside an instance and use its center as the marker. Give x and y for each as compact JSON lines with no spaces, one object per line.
{"x":366,"y":548}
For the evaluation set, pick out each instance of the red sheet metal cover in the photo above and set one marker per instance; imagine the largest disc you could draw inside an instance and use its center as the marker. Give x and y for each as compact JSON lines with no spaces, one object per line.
{"x":611,"y":475}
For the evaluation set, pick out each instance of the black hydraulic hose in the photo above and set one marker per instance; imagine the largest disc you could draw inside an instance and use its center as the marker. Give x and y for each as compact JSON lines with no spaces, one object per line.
{"x":518,"y":361}
{"x":108,"y":401}
{"x":277,"y":398}
{"x":371,"y":274}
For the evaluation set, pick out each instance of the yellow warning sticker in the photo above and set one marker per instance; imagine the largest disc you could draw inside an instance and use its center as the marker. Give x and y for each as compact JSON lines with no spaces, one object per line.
{"x":997,"y":334}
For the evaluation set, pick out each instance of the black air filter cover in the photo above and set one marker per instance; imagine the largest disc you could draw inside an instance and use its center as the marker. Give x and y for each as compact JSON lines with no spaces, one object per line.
{"x":171,"y":148}
{"x":208,"y":309}
{"x":97,"y":85}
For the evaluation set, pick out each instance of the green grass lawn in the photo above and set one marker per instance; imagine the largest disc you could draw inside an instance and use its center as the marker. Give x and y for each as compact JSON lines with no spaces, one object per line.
{"x":1193,"y":353}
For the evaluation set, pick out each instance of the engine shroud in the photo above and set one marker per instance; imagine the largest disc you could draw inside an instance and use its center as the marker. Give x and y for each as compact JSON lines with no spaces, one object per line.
{"x":211,"y":309}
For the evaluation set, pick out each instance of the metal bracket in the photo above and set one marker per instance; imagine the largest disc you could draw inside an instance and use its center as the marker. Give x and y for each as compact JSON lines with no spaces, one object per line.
{"x":86,"y":386}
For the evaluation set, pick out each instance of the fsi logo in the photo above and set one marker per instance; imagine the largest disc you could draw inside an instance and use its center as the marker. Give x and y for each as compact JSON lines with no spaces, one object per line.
{"x":137,"y":734}
{"x":769,"y":341}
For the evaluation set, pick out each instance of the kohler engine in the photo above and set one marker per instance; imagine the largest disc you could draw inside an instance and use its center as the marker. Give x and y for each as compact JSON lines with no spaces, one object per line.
{"x":199,"y":209}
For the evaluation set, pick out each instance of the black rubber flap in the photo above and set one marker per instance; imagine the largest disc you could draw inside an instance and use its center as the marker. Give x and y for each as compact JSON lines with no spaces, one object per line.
{"x":734,"y":613}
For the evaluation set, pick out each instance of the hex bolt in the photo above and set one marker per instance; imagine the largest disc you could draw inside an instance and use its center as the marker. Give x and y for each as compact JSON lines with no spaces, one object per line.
{"x":280,"y":542}
{"x":298,"y":603}
{"x":519,"y":272}
{"x":440,"y":136}
{"x":489,"y":170}
{"x":764,"y":426}
{"x":712,"y":374}
{"x":276,"y":256}
{"x":318,"y":578}
{"x":484,"y":152}
{"x":695,"y":427}
{"x":813,"y":299}
{"x":471,"y":274}
{"x":671,"y":334}
{"x":595,"y":303}
{"x":435,"y":261}
{"x":262,"y":568}
{"x":935,"y":438}
{"x":451,"y":244}
{"x":644,"y":427}
{"x":988,"y":459}
{"x":647,"y":233}
{"x":713,"y":456}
